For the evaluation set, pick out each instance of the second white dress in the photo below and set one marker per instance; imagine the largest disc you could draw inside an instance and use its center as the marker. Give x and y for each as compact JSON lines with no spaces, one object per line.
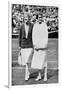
{"x":40,"y":40}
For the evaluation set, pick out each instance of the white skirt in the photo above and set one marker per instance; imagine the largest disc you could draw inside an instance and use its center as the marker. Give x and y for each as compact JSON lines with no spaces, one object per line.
{"x":39,"y":59}
{"x":25,"y":55}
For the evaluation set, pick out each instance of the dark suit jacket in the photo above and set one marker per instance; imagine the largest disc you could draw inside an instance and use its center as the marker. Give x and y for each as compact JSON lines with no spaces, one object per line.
{"x":23,"y":42}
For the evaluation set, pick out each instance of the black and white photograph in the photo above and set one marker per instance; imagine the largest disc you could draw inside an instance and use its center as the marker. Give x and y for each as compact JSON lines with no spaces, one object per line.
{"x":34,"y":44}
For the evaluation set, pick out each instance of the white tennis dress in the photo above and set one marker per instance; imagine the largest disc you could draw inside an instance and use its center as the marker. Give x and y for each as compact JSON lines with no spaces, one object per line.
{"x":40,"y":40}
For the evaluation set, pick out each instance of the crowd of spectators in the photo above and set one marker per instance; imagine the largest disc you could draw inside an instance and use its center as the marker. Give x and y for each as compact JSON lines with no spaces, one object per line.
{"x":49,"y":13}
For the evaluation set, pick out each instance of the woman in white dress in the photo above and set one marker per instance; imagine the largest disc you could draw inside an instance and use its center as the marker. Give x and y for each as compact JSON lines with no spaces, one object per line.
{"x":40,"y":41}
{"x":25,"y":44}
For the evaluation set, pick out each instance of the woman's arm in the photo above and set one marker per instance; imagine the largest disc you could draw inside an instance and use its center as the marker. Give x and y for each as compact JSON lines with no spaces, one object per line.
{"x":20,"y":36}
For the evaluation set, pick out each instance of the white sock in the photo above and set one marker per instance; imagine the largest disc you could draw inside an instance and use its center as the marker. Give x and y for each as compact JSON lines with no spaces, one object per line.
{"x":45,"y":74}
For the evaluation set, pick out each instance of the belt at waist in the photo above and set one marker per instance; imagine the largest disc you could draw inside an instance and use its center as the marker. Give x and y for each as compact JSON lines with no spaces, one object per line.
{"x":37,"y":49}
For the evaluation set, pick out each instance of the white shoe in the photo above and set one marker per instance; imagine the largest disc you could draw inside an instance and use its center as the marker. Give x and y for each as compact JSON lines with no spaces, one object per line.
{"x":27,"y":76}
{"x":45,"y":79}
{"x":38,"y":78}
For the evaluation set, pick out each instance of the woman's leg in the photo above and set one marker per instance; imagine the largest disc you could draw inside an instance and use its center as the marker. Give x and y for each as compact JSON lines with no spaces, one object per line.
{"x":39,"y":75}
{"x":27,"y":72}
{"x":45,"y":73}
{"x":45,"y":68}
{"x":29,"y":54}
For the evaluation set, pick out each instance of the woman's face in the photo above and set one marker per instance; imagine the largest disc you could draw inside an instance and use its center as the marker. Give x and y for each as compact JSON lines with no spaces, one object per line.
{"x":34,"y":17}
{"x":25,"y":19}
{"x":40,"y":18}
